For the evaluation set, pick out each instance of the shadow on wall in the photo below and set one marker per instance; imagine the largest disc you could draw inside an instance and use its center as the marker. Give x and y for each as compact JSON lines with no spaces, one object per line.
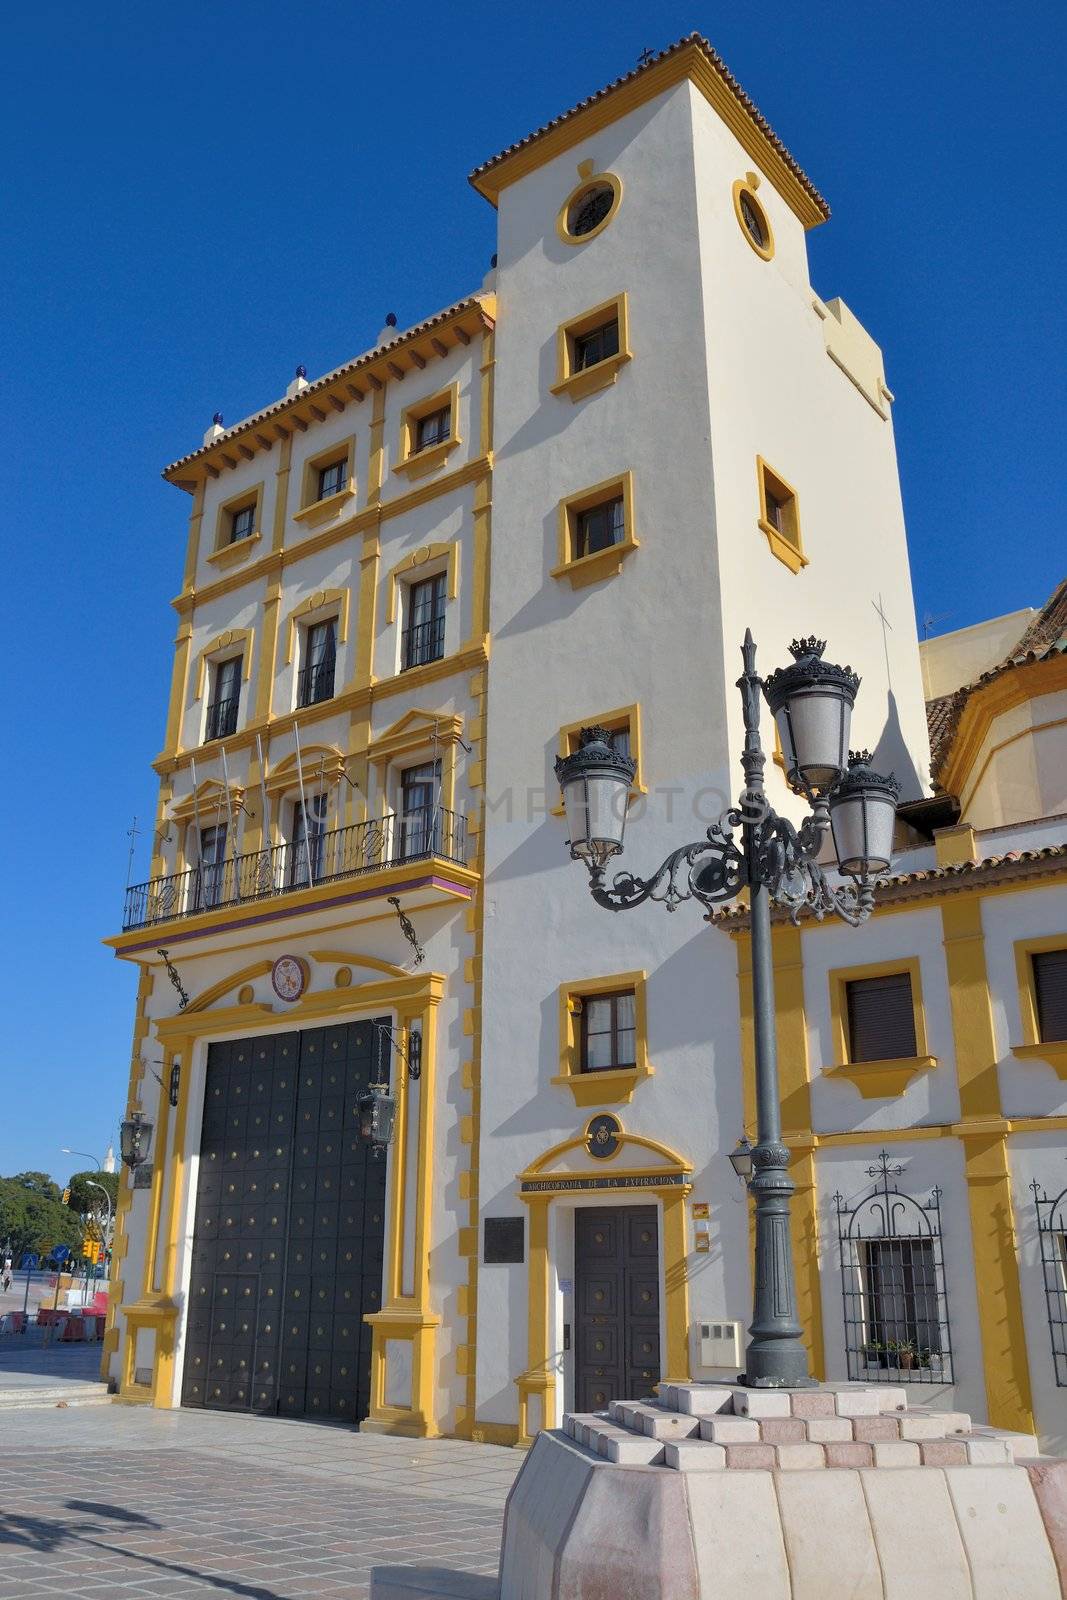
{"x":891,"y":754}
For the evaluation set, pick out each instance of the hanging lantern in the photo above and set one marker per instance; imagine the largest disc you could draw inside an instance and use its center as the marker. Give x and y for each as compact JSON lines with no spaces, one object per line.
{"x":377,"y":1116}
{"x":863,"y":812}
{"x":741,"y":1159}
{"x":135,"y":1141}
{"x":812,"y":705}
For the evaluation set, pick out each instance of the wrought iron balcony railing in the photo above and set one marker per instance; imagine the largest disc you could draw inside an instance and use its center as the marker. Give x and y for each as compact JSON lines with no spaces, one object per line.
{"x":315,"y":682}
{"x":222,"y":718}
{"x":322,"y":858}
{"x":422,"y":642}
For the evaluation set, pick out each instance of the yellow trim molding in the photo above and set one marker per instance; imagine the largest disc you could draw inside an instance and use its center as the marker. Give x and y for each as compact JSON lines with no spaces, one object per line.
{"x":312,"y":510}
{"x":437,"y":557}
{"x":318,"y":608}
{"x":590,"y":380}
{"x":747,"y":186}
{"x":883,"y":1079}
{"x":222,"y":649}
{"x":787,"y":546}
{"x":616,"y":1086}
{"x":622,"y":717}
{"x":320,"y":762}
{"x":412,"y":463}
{"x":589,"y":181}
{"x":1033,"y":1047}
{"x":1028,"y":681}
{"x":210,"y":799}
{"x":583,"y":570}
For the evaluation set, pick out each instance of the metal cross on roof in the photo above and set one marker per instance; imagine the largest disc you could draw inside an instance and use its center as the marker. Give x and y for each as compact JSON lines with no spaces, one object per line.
{"x":645,"y":57}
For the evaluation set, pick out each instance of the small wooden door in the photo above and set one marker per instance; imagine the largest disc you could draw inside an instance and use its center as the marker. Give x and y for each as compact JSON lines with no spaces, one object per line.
{"x":616,"y":1255}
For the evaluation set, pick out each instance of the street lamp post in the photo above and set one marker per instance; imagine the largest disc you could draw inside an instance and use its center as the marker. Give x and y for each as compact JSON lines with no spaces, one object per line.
{"x":812,"y":704}
{"x":67,"y":1151}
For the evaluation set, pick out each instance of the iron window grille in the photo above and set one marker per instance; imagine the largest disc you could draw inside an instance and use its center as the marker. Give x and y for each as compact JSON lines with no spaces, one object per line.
{"x":419,"y":809}
{"x":590,"y":209}
{"x":332,"y":478}
{"x":212,"y":872}
{"x":242,"y":523}
{"x":433,"y":429}
{"x":222,"y":708}
{"x":1050,"y":993}
{"x":597,"y":345}
{"x":306,"y":858}
{"x":599,"y":527}
{"x":424,"y":638}
{"x":608,"y":1032}
{"x":893,"y":1284}
{"x":315,"y":680}
{"x":1052,"y":1231}
{"x":753,"y":221}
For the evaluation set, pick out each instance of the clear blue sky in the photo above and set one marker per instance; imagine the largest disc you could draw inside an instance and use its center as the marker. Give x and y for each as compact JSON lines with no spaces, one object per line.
{"x":198,"y":197}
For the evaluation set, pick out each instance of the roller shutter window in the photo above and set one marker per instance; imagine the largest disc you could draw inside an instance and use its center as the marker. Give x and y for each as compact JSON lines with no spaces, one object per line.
{"x":1050,"y":993}
{"x":881,"y":1021}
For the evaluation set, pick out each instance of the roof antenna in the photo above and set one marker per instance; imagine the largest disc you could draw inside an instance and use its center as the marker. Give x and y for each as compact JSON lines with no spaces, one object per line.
{"x":930,"y":621}
{"x":645,"y":57}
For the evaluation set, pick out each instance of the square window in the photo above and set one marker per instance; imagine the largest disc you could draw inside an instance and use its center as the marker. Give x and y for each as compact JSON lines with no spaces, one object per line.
{"x":881,"y":1018}
{"x":595,"y":346}
{"x":434,"y":428}
{"x":608,"y":1032}
{"x":592,"y":349}
{"x":242,"y":522}
{"x":598,"y":527}
{"x":332,"y":478}
{"x":1050,"y":994}
{"x":779,"y":517}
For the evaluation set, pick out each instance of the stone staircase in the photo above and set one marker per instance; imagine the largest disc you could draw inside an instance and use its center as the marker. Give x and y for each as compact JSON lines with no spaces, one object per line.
{"x":29,"y":1396}
{"x":711,"y":1428}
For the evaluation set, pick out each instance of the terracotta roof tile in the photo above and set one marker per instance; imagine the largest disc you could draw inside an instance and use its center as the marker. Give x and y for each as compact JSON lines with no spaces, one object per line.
{"x":718,"y":65}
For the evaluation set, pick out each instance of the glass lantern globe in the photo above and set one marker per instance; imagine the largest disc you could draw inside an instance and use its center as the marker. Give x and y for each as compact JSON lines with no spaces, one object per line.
{"x":741,"y":1159}
{"x":135,"y":1140}
{"x":863,"y":812}
{"x":812,"y":702}
{"x":595,"y":782}
{"x":377,"y":1116}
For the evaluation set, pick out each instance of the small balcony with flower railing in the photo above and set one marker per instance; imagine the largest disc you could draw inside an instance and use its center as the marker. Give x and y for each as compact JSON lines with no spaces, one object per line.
{"x":320,"y":858}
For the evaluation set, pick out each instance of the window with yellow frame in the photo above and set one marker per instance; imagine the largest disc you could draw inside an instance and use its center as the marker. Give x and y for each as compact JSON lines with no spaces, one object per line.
{"x":595,"y":531}
{"x":1041,"y":970}
{"x":878,"y":1026}
{"x":603,"y":1038}
{"x":623,"y":725}
{"x":237,"y":527}
{"x":779,"y":516}
{"x":429,"y":432}
{"x":328,"y":482}
{"x":592,"y":349}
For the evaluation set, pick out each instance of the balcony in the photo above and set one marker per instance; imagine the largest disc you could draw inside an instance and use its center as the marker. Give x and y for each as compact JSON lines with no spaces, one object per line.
{"x":315,"y":682}
{"x":364,"y":847}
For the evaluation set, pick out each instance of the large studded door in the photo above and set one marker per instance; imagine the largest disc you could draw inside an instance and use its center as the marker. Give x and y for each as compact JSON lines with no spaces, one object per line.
{"x":616,"y":1254}
{"x":289,"y":1228}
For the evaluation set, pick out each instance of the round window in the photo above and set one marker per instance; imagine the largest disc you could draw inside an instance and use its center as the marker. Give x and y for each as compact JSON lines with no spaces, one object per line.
{"x":588,"y":209}
{"x":755,"y":224}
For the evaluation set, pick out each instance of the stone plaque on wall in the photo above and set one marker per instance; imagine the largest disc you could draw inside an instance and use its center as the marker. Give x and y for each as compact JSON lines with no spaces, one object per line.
{"x":504,"y":1241}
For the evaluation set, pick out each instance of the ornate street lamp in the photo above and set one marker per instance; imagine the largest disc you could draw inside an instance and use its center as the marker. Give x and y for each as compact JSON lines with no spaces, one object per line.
{"x":135,"y":1140}
{"x":376,"y":1106}
{"x":812,"y":704}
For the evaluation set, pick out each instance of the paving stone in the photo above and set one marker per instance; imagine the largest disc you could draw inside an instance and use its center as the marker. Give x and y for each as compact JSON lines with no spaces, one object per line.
{"x":873,"y":1430}
{"x":751,"y":1457}
{"x":1048,"y":1480}
{"x":896,"y":1453}
{"x":762,"y":1403}
{"x":916,"y":1533}
{"x":989,"y":1453}
{"x":813,"y":1403}
{"x":1003,"y":1532}
{"x":943,"y":1453}
{"x":633,"y":1451}
{"x":670,"y":1425}
{"x":694,"y":1455}
{"x":849,"y":1453}
{"x":703,"y":1399}
{"x":829,"y":1430}
{"x":730,"y":1430}
{"x":858,"y":1403}
{"x":782,"y":1430}
{"x":828,"y":1538}
{"x":799,"y":1457}
{"x":1023,"y":1446}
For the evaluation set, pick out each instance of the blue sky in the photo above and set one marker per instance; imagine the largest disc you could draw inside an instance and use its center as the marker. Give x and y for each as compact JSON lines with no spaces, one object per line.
{"x":199,"y":197}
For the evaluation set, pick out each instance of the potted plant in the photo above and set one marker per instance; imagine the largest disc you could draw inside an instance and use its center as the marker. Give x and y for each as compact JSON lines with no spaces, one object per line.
{"x":904,"y":1350}
{"x":874,"y":1353}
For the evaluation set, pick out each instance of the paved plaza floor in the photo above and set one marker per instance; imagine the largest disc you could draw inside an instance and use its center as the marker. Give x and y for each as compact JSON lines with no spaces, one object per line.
{"x":124,"y":1501}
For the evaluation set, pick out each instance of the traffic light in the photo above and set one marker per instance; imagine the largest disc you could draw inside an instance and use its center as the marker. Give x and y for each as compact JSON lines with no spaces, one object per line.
{"x":66,"y":1197}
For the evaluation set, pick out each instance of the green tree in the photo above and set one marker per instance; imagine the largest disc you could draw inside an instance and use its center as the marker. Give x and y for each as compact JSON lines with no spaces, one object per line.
{"x":84,"y":1199}
{"x":38,"y":1183}
{"x":30,"y":1220}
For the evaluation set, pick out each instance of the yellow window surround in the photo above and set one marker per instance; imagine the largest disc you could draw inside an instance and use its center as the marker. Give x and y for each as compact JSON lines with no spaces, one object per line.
{"x":1033,"y":1047}
{"x":318,"y":608}
{"x":613,"y":1086}
{"x":221,"y":649}
{"x":412,"y":462}
{"x":785,"y":541}
{"x":226,"y":554}
{"x":590,"y":380}
{"x":622,"y":717}
{"x":425,"y":562}
{"x":590,"y":180}
{"x":607,"y":563}
{"x":877,"y":1080}
{"x":418,"y":736}
{"x":745,"y":189}
{"x":312,"y":509}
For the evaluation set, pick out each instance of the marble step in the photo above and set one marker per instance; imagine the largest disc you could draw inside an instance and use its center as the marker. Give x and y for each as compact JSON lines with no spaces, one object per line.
{"x":823,"y":1401}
